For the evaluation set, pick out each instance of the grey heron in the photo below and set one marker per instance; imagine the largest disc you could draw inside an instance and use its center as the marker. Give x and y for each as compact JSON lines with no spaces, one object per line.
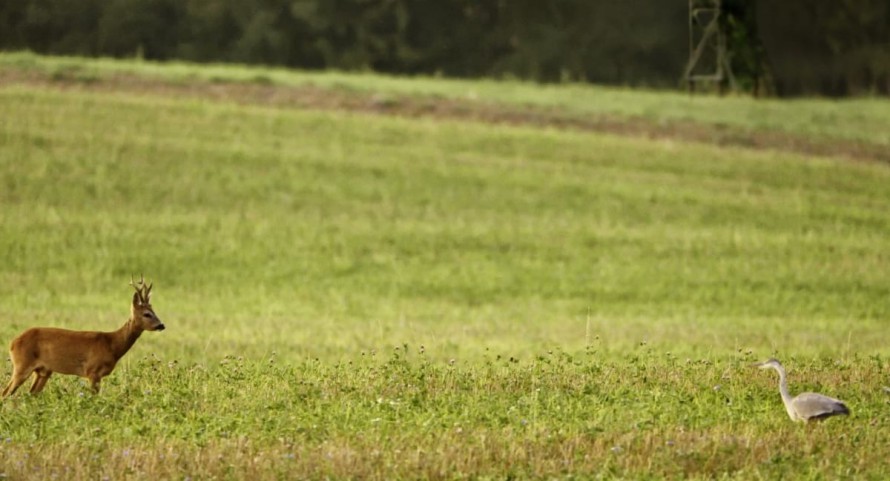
{"x":806,"y":406}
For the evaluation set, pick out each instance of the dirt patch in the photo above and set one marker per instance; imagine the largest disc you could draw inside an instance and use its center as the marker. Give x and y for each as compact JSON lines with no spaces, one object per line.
{"x":310,"y":97}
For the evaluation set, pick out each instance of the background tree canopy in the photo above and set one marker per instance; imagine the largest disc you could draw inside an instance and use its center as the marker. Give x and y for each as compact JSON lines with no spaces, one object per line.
{"x":828,"y":48}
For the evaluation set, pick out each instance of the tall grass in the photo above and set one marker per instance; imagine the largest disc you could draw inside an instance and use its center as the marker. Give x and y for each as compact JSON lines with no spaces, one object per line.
{"x":355,"y":296}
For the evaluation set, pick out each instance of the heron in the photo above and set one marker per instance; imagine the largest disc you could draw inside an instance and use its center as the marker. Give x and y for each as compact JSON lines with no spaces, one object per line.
{"x":808,"y":406}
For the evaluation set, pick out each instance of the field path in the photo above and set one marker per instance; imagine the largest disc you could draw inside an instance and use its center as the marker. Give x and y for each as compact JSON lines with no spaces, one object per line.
{"x":318,"y":98}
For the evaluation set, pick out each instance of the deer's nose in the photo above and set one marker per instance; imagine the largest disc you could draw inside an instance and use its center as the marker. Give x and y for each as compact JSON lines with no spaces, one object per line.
{"x":160,"y":327}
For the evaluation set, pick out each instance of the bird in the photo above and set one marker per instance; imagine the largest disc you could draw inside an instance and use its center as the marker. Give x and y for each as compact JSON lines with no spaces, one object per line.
{"x":808,"y":406}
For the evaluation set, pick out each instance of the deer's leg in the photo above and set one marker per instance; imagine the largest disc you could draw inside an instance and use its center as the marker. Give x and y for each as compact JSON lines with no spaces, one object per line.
{"x":99,"y":372}
{"x":36,"y":381}
{"x":95,"y":379}
{"x":42,"y":376}
{"x":18,"y":378}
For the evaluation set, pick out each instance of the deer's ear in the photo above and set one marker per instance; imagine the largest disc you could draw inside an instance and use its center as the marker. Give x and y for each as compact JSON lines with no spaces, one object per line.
{"x":137,"y":299}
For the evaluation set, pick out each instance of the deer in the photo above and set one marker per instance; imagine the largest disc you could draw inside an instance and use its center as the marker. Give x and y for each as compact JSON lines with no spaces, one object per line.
{"x":89,"y":354}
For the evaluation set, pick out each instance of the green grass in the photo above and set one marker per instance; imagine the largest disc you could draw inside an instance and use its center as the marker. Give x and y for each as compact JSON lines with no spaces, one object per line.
{"x":362,"y":296}
{"x":864,"y":120}
{"x":398,"y":414}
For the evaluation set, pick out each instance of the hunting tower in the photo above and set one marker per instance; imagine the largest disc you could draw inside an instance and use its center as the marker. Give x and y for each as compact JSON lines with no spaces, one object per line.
{"x":708,"y":56}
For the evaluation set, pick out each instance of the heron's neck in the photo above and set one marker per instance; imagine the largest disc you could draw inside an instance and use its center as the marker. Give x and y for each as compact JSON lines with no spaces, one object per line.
{"x":783,"y":389}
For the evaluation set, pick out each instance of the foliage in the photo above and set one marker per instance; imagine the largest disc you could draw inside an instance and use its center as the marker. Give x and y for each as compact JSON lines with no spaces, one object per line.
{"x":834,"y":48}
{"x":838,"y":48}
{"x":453,"y":37}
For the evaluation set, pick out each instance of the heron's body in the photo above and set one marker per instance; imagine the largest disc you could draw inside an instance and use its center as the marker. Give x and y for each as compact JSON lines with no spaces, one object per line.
{"x":808,"y":406}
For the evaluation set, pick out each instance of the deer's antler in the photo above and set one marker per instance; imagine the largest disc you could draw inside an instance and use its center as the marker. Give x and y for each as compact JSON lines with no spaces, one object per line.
{"x":137,"y":284}
{"x":140,"y":288}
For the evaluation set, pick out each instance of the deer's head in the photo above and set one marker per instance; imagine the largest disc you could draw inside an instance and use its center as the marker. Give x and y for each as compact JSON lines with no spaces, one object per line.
{"x":141,"y":312}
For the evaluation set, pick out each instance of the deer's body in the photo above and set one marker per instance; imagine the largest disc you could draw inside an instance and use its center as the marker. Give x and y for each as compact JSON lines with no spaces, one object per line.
{"x":44,"y":350}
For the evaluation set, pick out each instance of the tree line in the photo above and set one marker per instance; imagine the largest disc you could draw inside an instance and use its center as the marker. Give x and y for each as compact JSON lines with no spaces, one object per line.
{"x":802,"y":47}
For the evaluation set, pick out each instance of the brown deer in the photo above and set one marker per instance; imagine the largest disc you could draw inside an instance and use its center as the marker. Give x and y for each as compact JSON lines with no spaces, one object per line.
{"x":89,"y":354}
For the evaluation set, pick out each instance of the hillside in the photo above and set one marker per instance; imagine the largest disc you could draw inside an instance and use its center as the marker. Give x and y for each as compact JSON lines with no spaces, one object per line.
{"x":382,"y":278}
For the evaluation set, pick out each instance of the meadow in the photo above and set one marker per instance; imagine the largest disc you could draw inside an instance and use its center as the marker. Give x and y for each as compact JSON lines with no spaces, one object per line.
{"x":356,"y":295}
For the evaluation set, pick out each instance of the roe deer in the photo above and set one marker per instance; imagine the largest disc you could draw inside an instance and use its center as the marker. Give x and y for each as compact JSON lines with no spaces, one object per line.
{"x":89,"y":354}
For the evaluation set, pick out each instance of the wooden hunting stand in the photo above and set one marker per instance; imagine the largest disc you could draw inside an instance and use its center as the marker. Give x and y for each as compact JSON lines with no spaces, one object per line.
{"x":708,"y":56}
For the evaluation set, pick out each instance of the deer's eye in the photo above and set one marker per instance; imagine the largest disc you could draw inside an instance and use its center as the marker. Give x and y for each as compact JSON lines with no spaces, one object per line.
{"x":147,"y":314}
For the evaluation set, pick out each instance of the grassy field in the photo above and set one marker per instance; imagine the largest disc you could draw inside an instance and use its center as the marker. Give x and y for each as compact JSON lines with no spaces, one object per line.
{"x":362,"y":296}
{"x":857,"y":120}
